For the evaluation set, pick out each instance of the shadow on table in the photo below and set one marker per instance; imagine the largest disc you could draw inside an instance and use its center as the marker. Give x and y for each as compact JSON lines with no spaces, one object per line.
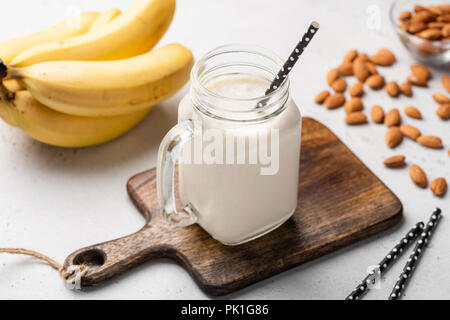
{"x":131,"y":147}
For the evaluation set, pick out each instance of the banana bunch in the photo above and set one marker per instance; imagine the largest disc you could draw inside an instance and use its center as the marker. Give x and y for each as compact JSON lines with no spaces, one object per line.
{"x":77,"y":87}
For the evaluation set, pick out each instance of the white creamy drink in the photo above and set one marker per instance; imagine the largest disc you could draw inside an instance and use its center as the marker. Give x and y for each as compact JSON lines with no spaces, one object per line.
{"x":238,"y":170}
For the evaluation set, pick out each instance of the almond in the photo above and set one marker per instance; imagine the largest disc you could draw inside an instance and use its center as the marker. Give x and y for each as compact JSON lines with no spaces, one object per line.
{"x":418,"y":176}
{"x":405,"y":15}
{"x":438,"y":25}
{"x":446,"y":82}
{"x":410,"y":131}
{"x":339,"y":85}
{"x":320,"y":98}
{"x":357,"y":89}
{"x":420,"y":71}
{"x":444,"y":18}
{"x":412,"y":112}
{"x":406,"y":89}
{"x":377,"y":114}
{"x":444,"y":111}
{"x":445,"y":7}
{"x":393,"y":137}
{"x":446,"y":30}
{"x":370,"y":66}
{"x":335,"y":101}
{"x":441,"y":98}
{"x":412,"y":79}
{"x":359,"y":69}
{"x":356,"y":118}
{"x":415,"y":27}
{"x":332,"y":75}
{"x":430,"y":34}
{"x":392,"y":118}
{"x":346,"y":68}
{"x":422,"y":16}
{"x":436,"y":11}
{"x":392,"y":88}
{"x":350,"y":56}
{"x":427,"y":48}
{"x":430,"y":141}
{"x":438,"y":186}
{"x":375,"y":81}
{"x":353,"y":105}
{"x":363,"y":56}
{"x":395,"y":161}
{"x":383,"y":57}
{"x":403,"y":26}
{"x":418,"y":8}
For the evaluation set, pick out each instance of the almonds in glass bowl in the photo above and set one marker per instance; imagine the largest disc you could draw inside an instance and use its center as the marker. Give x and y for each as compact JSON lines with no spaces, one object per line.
{"x":429,"y":23}
{"x":424,"y":28}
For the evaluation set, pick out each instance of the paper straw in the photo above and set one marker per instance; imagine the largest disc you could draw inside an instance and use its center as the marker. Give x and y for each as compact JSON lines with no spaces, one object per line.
{"x":415,"y":256}
{"x":386,"y":263}
{"x":291,"y":61}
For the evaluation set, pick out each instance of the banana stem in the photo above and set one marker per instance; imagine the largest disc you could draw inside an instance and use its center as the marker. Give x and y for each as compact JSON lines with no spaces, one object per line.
{"x":5,"y":94}
{"x":3,"y":70}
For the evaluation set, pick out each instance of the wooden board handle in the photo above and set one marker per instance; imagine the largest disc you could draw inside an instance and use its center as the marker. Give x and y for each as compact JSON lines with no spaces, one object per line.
{"x":109,"y":259}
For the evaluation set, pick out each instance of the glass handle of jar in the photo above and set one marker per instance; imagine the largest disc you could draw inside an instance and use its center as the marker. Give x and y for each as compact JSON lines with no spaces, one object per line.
{"x":168,"y":156}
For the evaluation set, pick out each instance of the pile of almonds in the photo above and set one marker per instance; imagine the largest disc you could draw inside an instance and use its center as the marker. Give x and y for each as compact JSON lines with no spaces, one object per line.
{"x":429,"y":23}
{"x":364,"y":68}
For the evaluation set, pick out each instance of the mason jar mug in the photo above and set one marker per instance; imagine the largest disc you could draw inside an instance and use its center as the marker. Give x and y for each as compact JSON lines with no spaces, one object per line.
{"x":231,"y":163}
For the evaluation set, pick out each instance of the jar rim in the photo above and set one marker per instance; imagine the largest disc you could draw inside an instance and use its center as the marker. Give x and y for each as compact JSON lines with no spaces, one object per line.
{"x":276,"y":95}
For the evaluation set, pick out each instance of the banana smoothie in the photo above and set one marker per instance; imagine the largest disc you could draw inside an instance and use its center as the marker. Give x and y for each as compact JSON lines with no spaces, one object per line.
{"x":238,"y":170}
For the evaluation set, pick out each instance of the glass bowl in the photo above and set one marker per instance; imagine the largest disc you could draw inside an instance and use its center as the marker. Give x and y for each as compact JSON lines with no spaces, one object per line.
{"x":427,"y":51}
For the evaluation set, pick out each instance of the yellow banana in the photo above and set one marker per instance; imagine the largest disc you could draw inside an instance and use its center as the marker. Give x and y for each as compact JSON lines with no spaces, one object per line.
{"x":108,"y":88}
{"x":134,"y":32}
{"x":104,"y":19}
{"x":9,"y":49}
{"x":62,"y":130}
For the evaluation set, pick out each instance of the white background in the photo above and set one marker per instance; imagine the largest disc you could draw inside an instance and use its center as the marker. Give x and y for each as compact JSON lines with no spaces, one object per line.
{"x":59,"y":200}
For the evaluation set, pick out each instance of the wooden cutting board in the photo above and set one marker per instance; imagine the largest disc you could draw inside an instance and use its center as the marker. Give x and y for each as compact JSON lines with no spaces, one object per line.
{"x":340,"y":202}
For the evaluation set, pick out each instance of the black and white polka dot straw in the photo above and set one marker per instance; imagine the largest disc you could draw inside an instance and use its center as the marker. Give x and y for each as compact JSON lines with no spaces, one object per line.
{"x":415,"y":255}
{"x":293,"y":58}
{"x":291,"y":61}
{"x":386,"y":263}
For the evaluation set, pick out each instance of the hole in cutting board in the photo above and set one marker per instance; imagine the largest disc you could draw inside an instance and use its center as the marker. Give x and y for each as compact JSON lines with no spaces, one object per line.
{"x":93,"y":258}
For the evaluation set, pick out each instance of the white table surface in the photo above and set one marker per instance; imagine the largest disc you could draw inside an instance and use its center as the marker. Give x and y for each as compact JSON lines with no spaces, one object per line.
{"x":59,"y":200}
